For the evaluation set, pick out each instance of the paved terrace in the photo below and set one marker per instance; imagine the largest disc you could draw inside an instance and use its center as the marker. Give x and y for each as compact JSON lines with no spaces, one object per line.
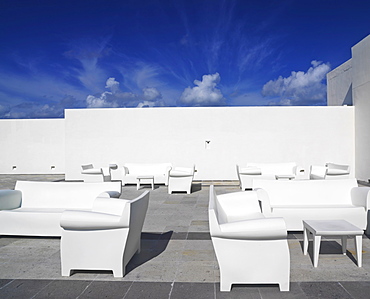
{"x":177,"y":259}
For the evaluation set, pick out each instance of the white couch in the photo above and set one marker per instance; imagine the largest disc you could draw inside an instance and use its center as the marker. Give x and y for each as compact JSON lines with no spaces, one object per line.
{"x":35,"y":208}
{"x":105,"y":238}
{"x":300,"y":200}
{"x":130,"y":171}
{"x":265,"y":171}
{"x":250,"y":248}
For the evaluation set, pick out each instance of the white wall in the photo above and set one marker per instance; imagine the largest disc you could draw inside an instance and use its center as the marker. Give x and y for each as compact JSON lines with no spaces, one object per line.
{"x":361,"y":98}
{"x":306,"y":135}
{"x":32,"y":146}
{"x":339,"y":85}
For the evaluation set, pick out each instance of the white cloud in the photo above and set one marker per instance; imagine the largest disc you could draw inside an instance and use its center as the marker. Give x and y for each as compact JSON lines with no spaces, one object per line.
{"x":300,"y":88}
{"x":205,"y":93}
{"x":116,"y":98}
{"x":151,"y":93}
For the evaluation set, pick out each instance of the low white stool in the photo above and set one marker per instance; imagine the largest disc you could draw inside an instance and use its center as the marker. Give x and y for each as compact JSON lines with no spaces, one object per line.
{"x":145,"y":177}
{"x":340,"y":228}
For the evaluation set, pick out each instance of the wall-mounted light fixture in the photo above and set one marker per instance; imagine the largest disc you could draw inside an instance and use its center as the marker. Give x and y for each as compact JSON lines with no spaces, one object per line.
{"x":14,"y":167}
{"x":52,"y":167}
{"x":208,"y":144}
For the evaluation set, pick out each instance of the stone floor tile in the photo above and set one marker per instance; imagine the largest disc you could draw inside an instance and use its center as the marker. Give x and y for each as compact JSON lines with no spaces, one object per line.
{"x":357,"y":289}
{"x":327,"y":290}
{"x":23,"y":288}
{"x":60,"y":289}
{"x":183,"y":290}
{"x":106,"y":289}
{"x":144,"y":290}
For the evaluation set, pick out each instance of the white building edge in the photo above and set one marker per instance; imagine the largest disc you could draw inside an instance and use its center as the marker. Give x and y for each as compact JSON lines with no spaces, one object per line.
{"x":214,"y":139}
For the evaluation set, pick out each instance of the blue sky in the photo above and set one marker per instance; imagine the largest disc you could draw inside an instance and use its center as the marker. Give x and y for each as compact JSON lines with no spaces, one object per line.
{"x":161,"y":53}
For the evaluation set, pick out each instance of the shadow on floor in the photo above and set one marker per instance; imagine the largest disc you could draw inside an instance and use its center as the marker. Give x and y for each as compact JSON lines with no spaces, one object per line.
{"x":152,"y":245}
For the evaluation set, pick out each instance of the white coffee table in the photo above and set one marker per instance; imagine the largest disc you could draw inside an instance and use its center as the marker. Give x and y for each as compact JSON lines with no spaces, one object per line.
{"x":140,"y":178}
{"x":341,"y":228}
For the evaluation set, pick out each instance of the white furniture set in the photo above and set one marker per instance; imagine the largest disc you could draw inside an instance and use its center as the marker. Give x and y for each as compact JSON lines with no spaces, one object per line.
{"x":178,"y":179}
{"x":98,"y":230}
{"x":288,"y":171}
{"x":268,"y":171}
{"x":243,"y":237}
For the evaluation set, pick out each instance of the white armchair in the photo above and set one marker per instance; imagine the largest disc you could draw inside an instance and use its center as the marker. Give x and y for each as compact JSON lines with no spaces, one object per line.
{"x":330,"y":171}
{"x":250,"y":248}
{"x":180,"y":179}
{"x":105,"y":238}
{"x":337,"y":171}
{"x":93,"y":175}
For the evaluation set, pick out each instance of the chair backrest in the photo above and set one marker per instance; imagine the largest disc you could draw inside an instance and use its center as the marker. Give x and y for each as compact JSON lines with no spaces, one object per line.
{"x":148,"y":169}
{"x":87,"y":166}
{"x":65,"y":195}
{"x":337,"y":169}
{"x":308,"y":192}
{"x":235,"y":206}
{"x":276,"y":168}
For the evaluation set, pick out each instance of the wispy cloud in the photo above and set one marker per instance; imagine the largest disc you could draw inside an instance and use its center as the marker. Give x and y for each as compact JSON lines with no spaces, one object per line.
{"x":300,"y":88}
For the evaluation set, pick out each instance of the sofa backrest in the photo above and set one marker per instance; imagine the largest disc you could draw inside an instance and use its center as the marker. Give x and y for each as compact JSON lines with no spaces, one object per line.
{"x":66,"y":195}
{"x":275,"y":168}
{"x":307,"y":192}
{"x":237,"y":206}
{"x":148,"y":169}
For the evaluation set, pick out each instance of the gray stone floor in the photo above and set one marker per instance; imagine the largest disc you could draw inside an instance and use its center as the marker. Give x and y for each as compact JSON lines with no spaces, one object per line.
{"x":177,"y":259}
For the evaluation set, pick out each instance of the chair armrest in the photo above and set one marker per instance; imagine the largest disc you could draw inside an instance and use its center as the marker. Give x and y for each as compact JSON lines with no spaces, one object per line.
{"x":255,"y":229}
{"x":87,"y":220}
{"x":110,"y":194}
{"x":361,"y":197}
{"x":10,"y":199}
{"x":265,"y":202}
{"x":125,"y":170}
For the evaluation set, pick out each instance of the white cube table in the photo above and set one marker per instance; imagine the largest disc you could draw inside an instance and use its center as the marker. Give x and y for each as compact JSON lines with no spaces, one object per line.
{"x":341,"y":228}
{"x":145,"y":177}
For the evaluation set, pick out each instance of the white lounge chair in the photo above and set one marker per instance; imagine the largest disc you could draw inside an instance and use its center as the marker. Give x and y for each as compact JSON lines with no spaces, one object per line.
{"x":105,"y":238}
{"x":250,"y":248}
{"x":180,"y":179}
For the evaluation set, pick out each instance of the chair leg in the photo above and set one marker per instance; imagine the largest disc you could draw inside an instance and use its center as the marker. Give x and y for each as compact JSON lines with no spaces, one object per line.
{"x":66,"y":272}
{"x":284,"y":286}
{"x":225,"y":286}
{"x":119,"y":272}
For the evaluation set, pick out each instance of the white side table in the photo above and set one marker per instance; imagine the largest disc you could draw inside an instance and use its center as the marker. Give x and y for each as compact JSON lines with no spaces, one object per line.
{"x":145,"y":177}
{"x":341,"y":228}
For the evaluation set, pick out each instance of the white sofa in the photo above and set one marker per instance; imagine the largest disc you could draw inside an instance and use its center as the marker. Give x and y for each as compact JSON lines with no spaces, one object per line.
{"x":266,"y":171}
{"x":130,"y":171}
{"x":35,"y":208}
{"x":300,"y":200}
{"x":105,"y":238}
{"x":250,"y":248}
{"x":180,"y":179}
